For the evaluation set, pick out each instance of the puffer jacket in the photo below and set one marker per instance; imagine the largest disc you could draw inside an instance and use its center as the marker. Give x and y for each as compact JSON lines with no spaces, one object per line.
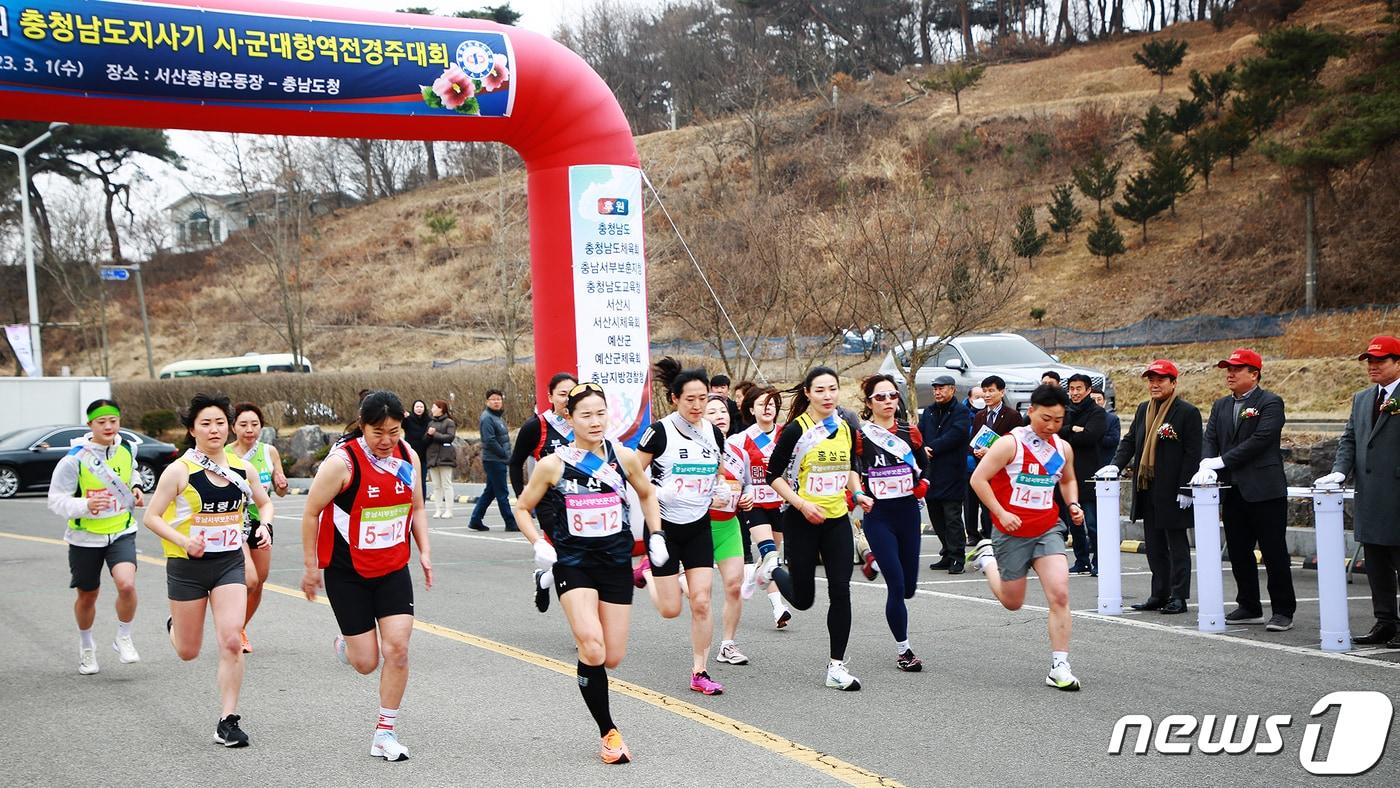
{"x":440,"y":448}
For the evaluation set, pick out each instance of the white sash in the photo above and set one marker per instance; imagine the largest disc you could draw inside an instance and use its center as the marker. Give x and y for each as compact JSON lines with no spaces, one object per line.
{"x":705,"y":437}
{"x":891,"y":443}
{"x":96,"y":464}
{"x":1043,"y":451}
{"x":399,"y":469}
{"x":819,"y":432}
{"x":202,"y":460}
{"x":558,"y":424}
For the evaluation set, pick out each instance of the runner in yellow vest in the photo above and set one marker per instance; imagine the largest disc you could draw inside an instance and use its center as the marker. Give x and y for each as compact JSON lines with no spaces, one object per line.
{"x":247,"y":425}
{"x":91,"y":488}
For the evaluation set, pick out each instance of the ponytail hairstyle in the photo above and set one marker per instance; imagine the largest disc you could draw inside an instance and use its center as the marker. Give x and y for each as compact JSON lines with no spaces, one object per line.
{"x":867,"y":387}
{"x":752,"y":397}
{"x":375,"y":408}
{"x":669,"y":374}
{"x":800,"y":401}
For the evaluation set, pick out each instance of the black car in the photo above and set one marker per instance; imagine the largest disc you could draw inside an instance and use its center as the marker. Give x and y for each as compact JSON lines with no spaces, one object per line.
{"x":28,"y":457}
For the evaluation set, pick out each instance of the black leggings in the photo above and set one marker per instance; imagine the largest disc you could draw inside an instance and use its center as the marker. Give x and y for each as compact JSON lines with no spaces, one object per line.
{"x":803,"y":542}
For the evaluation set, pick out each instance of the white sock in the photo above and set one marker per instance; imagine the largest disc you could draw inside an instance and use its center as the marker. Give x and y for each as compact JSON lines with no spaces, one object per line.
{"x":724,"y":643}
{"x":123,"y":629}
{"x":775,"y":598}
{"x":835,"y":663}
{"x":901,"y":647}
{"x":1058,"y":658}
{"x":85,"y":636}
{"x":387,"y":718}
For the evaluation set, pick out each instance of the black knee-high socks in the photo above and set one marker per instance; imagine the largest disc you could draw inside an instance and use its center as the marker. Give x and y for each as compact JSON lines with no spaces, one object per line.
{"x":593,"y":685}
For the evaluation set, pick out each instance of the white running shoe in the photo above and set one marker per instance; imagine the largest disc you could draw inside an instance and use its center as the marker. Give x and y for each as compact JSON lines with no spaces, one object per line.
{"x":763,"y":574}
{"x":980,"y":553}
{"x":747,"y":588}
{"x":729,"y":652}
{"x":386,"y":745}
{"x":87,"y":661}
{"x":126,"y":650}
{"x":1062,"y":679}
{"x":838,"y":677}
{"x":781,"y":616}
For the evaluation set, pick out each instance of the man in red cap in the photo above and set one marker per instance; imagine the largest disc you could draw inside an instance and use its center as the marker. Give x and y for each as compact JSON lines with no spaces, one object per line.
{"x":1370,"y":452}
{"x":1161,"y":451}
{"x":1242,"y":444}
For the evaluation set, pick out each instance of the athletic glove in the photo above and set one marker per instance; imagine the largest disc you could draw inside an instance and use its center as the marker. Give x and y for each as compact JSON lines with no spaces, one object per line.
{"x":1334,"y":479}
{"x":1184,"y":501}
{"x":1108,"y":472}
{"x":545,"y":555}
{"x":657,"y":551}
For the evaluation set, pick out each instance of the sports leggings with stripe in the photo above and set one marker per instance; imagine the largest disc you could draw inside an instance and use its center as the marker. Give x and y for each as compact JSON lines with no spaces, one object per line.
{"x":803,"y":542}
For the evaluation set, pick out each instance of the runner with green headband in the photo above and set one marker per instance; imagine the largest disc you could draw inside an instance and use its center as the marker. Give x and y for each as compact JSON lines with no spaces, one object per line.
{"x":92,"y":489}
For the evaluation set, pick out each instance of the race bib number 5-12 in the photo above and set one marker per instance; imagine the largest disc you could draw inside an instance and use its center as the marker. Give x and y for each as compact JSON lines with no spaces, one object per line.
{"x":382,"y":527}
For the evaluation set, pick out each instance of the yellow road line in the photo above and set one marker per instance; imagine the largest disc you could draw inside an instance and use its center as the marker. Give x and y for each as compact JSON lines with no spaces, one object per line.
{"x":829,"y":765}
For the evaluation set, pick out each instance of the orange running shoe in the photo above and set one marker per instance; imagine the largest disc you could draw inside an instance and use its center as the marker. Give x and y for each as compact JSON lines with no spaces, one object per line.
{"x":614,"y":749}
{"x":243,"y":635}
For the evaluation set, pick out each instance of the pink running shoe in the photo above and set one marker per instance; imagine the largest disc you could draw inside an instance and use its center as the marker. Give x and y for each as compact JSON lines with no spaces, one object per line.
{"x":701,"y":682}
{"x":638,"y":578}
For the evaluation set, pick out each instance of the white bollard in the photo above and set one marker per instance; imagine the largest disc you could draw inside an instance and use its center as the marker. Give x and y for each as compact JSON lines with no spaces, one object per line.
{"x":1210,"y":585}
{"x":1110,"y":558}
{"x":1331,"y":569}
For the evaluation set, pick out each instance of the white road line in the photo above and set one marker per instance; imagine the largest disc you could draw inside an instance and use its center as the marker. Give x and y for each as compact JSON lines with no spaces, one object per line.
{"x":507,"y":539}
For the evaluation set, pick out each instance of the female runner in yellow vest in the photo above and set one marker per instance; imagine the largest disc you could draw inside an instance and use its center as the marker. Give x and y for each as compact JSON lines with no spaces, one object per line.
{"x":247,"y":426}
{"x":197,"y":511}
{"x":91,"y":488}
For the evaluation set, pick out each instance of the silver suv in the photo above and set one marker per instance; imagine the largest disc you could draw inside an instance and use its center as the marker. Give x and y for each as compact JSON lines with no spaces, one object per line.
{"x":969,"y":359}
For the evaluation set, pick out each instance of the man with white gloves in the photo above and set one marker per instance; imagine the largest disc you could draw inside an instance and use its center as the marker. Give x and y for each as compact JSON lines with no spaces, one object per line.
{"x":1369,"y":451}
{"x":1161,"y":451}
{"x":1242,"y":450}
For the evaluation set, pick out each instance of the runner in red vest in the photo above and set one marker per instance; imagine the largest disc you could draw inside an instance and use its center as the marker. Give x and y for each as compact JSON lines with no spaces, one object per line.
{"x":1016,"y":481}
{"x":363,"y":506}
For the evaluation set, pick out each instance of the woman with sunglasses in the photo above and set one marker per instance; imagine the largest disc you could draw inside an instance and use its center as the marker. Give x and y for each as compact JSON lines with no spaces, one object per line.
{"x":682,"y":451}
{"x":812,"y":468}
{"x":731,"y":496}
{"x":579,"y":494}
{"x":891,"y":457}
{"x":762,"y":524}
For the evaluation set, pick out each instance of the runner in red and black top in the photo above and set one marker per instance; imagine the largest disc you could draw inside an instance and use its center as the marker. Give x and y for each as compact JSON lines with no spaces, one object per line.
{"x":579,"y":495}
{"x":762,"y":525}
{"x":892,"y":469}
{"x":364,"y":505}
{"x":1016,"y":481}
{"x":539,"y":437}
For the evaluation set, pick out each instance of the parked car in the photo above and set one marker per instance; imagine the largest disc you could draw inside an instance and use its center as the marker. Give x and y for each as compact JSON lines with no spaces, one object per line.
{"x":28,"y":457}
{"x":969,"y":359}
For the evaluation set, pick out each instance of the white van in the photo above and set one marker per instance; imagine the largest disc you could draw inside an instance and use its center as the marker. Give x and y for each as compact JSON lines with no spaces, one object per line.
{"x":249,"y":364}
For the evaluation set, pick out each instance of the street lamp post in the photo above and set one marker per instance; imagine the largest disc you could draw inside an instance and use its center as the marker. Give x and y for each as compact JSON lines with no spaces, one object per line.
{"x":22,"y":154}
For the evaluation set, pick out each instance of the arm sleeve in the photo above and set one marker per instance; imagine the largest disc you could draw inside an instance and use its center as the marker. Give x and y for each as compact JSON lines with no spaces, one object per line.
{"x":1094,"y":430}
{"x":782,"y":451}
{"x":63,"y":488}
{"x":525,"y":442}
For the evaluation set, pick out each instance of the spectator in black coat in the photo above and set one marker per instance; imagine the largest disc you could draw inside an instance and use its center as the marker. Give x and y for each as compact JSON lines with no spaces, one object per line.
{"x":1112,"y":436}
{"x":944,"y":426}
{"x":415,"y":433}
{"x":1083,"y":429}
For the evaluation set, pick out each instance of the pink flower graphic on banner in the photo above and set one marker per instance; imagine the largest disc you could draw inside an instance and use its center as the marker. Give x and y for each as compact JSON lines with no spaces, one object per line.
{"x":454,"y":87}
{"x":499,"y":74}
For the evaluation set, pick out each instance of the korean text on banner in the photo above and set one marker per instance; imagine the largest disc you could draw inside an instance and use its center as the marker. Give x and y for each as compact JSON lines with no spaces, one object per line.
{"x":18,"y":334}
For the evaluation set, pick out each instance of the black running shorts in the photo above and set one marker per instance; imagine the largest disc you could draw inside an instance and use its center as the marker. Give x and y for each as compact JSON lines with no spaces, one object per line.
{"x":359,"y":602}
{"x":613,"y":583}
{"x":690,"y":544}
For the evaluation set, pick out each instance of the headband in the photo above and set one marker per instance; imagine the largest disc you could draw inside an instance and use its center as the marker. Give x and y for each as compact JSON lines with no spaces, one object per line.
{"x":103,"y":410}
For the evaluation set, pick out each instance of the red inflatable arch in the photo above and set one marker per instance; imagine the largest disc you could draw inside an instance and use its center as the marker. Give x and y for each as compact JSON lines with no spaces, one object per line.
{"x":295,"y":69}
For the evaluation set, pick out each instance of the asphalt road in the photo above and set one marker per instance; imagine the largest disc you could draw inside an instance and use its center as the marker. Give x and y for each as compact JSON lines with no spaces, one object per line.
{"x":492,"y":698}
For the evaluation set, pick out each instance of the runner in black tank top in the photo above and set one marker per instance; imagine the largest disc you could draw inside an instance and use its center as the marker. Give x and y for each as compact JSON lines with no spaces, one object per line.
{"x":538,"y":438}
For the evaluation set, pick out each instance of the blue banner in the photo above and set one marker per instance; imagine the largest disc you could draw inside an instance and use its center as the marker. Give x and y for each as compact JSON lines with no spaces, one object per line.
{"x":106,"y":48}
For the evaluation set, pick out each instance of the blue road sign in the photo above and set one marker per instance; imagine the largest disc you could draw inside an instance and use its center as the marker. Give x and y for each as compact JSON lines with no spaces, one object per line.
{"x":113,"y":274}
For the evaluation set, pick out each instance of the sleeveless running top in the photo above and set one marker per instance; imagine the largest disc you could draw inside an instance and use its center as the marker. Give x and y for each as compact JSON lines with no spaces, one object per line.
{"x":215,"y":510}
{"x":366,"y":528}
{"x":261,"y":463}
{"x":823,"y":471}
{"x":1026,"y":486}
{"x":684,"y":470}
{"x":587,"y":519}
{"x":757,"y":447}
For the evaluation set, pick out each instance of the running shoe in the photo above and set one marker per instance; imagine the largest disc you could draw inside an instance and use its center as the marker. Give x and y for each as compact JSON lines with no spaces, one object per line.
{"x":702,"y":683}
{"x":747,"y":587}
{"x":909,"y":663}
{"x":243,"y":636}
{"x":763,"y":573}
{"x":541,"y":592}
{"x":838,"y":677}
{"x":639,"y":578}
{"x":229,"y":734}
{"x":386,"y":745}
{"x":339,"y":644}
{"x":983,"y":550}
{"x":781,"y":616}
{"x":869,"y":568}
{"x":729,"y":652}
{"x":126,"y":650}
{"x":1061,"y":679}
{"x":87,"y":661}
{"x":614,"y":748}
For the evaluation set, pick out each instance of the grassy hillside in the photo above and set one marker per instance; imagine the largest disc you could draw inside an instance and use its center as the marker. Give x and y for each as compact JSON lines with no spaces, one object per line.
{"x":381,"y":294}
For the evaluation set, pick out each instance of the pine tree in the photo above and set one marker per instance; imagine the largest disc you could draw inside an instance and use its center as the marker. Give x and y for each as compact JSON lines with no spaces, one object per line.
{"x":1141,"y":201}
{"x":1105,"y":240}
{"x":1064,"y":214}
{"x":1161,"y":57}
{"x":1188,"y":115}
{"x":1156,"y":129}
{"x":1212,"y":89}
{"x":1233,"y":137}
{"x":1026,"y":241}
{"x":1097,"y":180}
{"x":1203,"y":151}
{"x":1170,"y":172}
{"x":953,"y":79}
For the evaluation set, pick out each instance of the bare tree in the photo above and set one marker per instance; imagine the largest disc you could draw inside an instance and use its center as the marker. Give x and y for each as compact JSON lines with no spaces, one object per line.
{"x":508,"y":316}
